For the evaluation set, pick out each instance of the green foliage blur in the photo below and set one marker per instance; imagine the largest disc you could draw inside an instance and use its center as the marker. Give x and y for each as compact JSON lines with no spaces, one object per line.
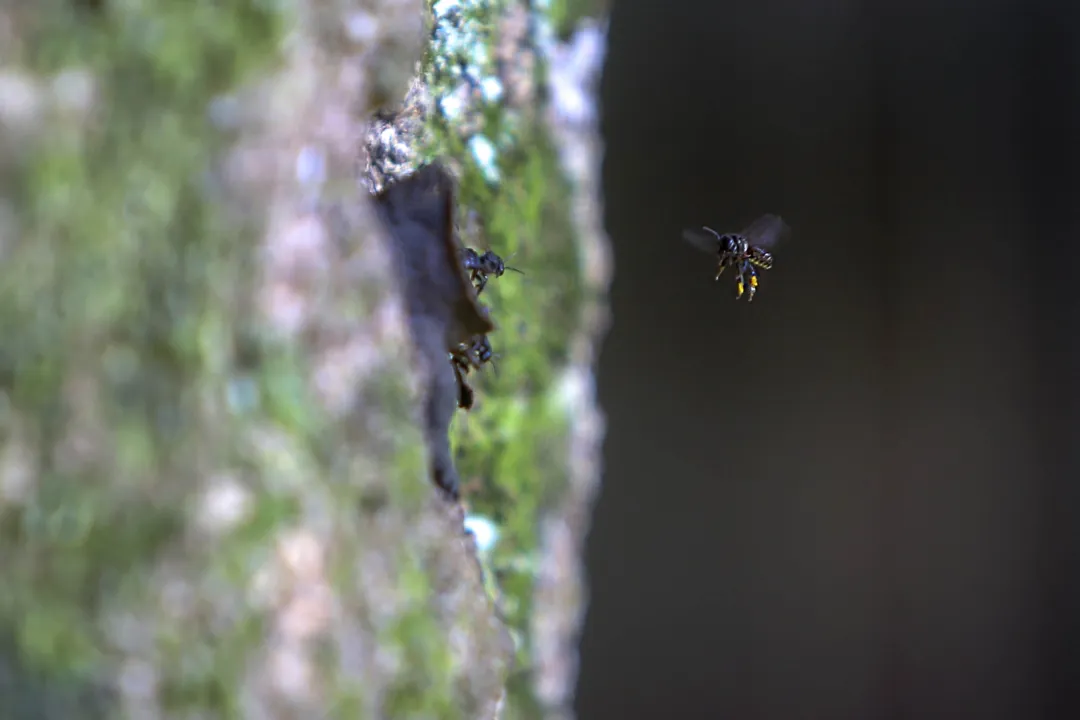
{"x":120,"y":305}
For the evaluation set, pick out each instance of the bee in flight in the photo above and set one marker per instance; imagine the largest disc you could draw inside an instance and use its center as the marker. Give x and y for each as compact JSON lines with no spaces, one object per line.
{"x":481,"y":266}
{"x":745,"y":251}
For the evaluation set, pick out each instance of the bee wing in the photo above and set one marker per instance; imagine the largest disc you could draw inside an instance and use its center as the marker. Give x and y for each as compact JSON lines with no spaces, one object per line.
{"x":703,"y":238}
{"x":766,"y":231}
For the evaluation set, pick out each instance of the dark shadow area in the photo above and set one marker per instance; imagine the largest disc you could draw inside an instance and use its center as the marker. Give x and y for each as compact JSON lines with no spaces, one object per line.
{"x":856,"y":497}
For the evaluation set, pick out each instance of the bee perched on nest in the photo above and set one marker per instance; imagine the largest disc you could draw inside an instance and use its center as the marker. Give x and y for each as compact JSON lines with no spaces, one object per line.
{"x":747,"y":251}
{"x":482,"y":266}
{"x":466,"y":358}
{"x":444,"y":311}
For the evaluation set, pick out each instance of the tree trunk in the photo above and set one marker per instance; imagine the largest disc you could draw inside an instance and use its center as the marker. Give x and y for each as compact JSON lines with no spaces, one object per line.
{"x":215,"y":492}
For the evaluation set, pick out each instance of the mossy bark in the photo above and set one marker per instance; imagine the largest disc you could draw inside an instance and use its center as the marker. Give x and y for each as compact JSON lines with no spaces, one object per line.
{"x":214,"y":492}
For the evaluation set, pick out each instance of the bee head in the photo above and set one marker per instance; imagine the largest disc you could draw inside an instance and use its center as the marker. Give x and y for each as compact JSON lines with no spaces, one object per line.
{"x":493,"y":264}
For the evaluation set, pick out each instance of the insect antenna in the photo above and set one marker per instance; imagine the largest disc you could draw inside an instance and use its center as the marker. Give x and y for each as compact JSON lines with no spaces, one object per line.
{"x":490,"y":360}
{"x":507,"y":267}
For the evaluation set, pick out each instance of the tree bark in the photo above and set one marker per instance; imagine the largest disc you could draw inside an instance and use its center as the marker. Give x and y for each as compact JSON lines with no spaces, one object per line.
{"x":215,"y":493}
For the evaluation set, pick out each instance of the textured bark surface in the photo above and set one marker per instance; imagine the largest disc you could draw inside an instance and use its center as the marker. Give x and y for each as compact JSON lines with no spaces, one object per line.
{"x":215,"y":494}
{"x":561,"y":587}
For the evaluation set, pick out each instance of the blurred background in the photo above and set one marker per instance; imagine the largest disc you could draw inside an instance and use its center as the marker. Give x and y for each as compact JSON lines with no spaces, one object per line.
{"x":856,"y":497}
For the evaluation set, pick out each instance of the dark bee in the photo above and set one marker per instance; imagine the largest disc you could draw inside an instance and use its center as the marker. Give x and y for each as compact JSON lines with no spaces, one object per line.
{"x":474,"y":353}
{"x":481,"y":348}
{"x":482,"y":266}
{"x":468,"y":356}
{"x":745,"y":251}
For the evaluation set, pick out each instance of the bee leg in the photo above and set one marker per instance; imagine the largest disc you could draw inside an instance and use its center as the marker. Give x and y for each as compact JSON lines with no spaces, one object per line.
{"x":472,"y":357}
{"x":740,"y":284}
{"x":466,"y":395}
{"x":477,"y":279}
{"x":725,"y":260}
{"x":482,"y":284}
{"x":753,"y":284}
{"x":465,"y":392}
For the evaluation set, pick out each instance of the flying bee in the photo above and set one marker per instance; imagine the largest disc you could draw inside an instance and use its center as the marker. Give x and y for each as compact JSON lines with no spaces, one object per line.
{"x":468,"y":356}
{"x":745,"y":251}
{"x":480,"y":267}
